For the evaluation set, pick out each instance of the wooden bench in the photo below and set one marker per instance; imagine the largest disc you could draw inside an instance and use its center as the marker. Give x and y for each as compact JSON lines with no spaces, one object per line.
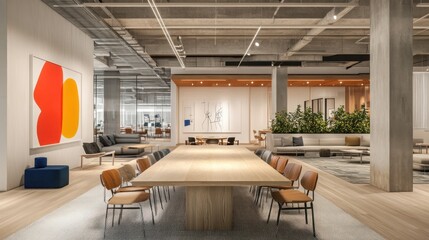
{"x":97,"y":155}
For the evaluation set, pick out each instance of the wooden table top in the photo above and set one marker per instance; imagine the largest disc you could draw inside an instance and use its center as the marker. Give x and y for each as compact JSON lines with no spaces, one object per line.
{"x":210,"y":165}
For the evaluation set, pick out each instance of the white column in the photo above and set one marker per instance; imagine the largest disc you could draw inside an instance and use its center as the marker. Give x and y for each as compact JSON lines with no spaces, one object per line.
{"x":391,"y":95}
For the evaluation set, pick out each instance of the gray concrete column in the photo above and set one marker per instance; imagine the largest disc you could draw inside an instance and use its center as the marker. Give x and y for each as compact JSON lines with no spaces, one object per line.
{"x":391,"y":95}
{"x":279,"y":89}
{"x":112,"y":106}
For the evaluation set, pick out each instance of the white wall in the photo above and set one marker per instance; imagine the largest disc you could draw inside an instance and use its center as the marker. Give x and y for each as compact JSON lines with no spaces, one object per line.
{"x":297,"y":95}
{"x":3,"y":91}
{"x":35,"y":29}
{"x":253,"y":113}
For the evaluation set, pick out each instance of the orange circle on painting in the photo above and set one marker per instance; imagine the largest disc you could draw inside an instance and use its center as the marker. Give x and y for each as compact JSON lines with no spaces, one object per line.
{"x":70,"y":123}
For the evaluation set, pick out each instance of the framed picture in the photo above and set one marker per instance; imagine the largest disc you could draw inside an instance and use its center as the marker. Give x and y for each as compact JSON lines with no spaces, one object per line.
{"x":55,"y":104}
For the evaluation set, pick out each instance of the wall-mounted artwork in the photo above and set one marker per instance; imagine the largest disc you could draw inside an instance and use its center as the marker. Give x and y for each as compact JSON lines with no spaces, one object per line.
{"x":56,"y":104}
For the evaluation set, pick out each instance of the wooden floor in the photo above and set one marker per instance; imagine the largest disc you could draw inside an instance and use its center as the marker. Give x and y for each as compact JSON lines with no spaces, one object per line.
{"x":392,"y":215}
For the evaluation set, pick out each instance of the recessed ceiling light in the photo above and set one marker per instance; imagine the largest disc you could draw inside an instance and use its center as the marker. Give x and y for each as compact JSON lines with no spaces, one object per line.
{"x":192,"y":84}
{"x":308,"y":82}
{"x":247,"y":84}
{"x":229,"y":84}
{"x":320,"y":84}
{"x":252,"y":82}
{"x":257,"y":44}
{"x":248,"y":54}
{"x":427,"y":69}
{"x":217,"y":84}
{"x":262,"y":84}
{"x":335,"y":17}
{"x":361,"y":84}
{"x":290,"y":84}
{"x":341,"y":82}
{"x":201,"y":82}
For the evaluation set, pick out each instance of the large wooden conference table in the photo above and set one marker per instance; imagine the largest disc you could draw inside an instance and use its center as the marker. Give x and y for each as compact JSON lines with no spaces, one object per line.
{"x":209,"y":173}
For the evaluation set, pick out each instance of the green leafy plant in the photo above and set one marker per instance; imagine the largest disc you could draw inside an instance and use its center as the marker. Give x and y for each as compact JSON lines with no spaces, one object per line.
{"x":308,"y":122}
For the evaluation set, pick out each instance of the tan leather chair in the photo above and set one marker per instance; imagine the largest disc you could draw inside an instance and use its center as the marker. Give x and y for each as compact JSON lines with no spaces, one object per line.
{"x":142,"y":165}
{"x":274,"y":161}
{"x":309,"y":183}
{"x":111,"y":181}
{"x":281,"y":165}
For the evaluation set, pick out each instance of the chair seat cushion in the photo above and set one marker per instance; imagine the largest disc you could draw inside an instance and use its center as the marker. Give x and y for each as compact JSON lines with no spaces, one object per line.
{"x":133,"y":189}
{"x":290,"y":196}
{"x":126,"y":198}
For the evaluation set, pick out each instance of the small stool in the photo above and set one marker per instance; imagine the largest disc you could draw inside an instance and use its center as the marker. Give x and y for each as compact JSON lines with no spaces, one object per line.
{"x":324,"y":152}
{"x":54,"y":176}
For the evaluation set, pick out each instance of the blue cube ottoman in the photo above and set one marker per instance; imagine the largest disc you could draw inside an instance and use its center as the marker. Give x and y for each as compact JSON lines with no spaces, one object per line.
{"x":53,"y":176}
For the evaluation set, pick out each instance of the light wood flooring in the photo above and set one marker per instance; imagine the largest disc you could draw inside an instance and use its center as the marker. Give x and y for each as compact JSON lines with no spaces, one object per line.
{"x":392,"y":215}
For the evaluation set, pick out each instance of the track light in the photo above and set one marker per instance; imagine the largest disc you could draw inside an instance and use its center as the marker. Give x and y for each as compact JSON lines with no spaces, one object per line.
{"x":335,"y":17}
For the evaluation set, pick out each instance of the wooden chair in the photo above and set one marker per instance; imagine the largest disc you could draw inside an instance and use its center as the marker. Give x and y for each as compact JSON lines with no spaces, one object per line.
{"x":258,"y":137}
{"x":158,"y":132}
{"x":167,"y":132}
{"x":274,"y":161}
{"x":279,"y":164}
{"x":111,"y":181}
{"x":282,"y":197}
{"x":191,"y":141}
{"x":142,"y":165}
{"x":128,"y":130}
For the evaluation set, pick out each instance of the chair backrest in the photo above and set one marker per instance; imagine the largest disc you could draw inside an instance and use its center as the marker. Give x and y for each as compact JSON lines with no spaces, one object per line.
{"x":143,"y":164}
{"x":191,"y":140}
{"x":127,"y":172}
{"x":281,"y":165}
{"x":212,"y":141}
{"x":91,"y":148}
{"x":230,"y":141}
{"x":259,"y":152}
{"x":309,"y":181}
{"x":111,"y":179}
{"x":167,"y":130}
{"x":165,"y":151}
{"x":294,"y":172}
{"x":152,"y":158}
{"x":158,"y":131}
{"x":266,"y":156}
{"x":157,"y":155}
{"x":128,"y":130}
{"x":274,"y":161}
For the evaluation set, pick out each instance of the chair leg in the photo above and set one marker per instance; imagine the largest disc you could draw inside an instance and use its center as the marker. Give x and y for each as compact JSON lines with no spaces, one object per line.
{"x":105,"y":221}
{"x":269,"y":213}
{"x":160,"y":198}
{"x":141,"y":211}
{"x":120,"y":215}
{"x":152,"y":193}
{"x":312,"y":218}
{"x":151,"y":209}
{"x":278,"y":218}
{"x":305,"y":210}
{"x":168,"y":191}
{"x":165,"y":194}
{"x":174,"y":188}
{"x":113,"y":217}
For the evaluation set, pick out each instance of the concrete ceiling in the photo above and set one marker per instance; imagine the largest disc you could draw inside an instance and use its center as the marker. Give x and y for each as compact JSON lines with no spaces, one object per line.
{"x":218,"y":33}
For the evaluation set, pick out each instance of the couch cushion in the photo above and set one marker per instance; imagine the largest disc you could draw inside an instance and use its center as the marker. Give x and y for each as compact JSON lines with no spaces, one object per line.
{"x":365,"y":140}
{"x":297,"y":141}
{"x":277,"y":142}
{"x":332,"y":141}
{"x":105,"y":141}
{"x":287,"y":141}
{"x":311,"y":142}
{"x":352,"y":141}
{"x":421,"y":158}
{"x":127,"y":138}
{"x":111,"y":137}
{"x":91,"y":148}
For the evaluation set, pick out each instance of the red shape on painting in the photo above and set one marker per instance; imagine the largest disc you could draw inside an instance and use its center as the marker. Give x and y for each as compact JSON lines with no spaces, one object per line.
{"x":48,"y":96}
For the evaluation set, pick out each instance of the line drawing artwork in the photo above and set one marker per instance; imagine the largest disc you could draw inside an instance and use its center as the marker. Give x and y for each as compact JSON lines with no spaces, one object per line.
{"x":212,"y":121}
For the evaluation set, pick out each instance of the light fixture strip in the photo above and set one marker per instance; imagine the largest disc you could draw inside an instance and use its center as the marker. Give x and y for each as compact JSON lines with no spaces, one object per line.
{"x":165,"y":31}
{"x":250,"y":45}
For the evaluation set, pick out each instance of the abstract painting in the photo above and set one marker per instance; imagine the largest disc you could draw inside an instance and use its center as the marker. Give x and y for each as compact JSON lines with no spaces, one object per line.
{"x":56,"y":104}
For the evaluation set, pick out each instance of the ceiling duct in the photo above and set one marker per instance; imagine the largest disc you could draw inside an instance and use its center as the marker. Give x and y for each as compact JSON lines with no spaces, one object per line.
{"x":116,"y":41}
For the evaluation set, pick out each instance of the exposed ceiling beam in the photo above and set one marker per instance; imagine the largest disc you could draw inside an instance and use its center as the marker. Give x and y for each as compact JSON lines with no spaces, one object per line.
{"x":330,"y":18}
{"x":212,"y":5}
{"x":263,"y":26}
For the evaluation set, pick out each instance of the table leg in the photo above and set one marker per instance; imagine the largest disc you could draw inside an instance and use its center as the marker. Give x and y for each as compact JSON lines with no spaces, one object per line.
{"x":361,"y":158}
{"x":209,"y":208}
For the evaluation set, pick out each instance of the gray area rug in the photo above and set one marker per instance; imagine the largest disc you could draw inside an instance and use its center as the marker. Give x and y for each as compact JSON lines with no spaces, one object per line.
{"x":83,"y":218}
{"x":350,"y":169}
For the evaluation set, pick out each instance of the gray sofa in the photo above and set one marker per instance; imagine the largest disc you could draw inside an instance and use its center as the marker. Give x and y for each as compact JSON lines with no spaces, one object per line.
{"x":118,"y":141}
{"x":282,"y":143}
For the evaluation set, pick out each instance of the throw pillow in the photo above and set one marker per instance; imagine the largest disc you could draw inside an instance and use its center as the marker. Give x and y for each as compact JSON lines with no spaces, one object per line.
{"x":297,"y":141}
{"x":105,"y":141}
{"x":287,"y":141}
{"x":111,"y":137}
{"x":352,"y":141}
